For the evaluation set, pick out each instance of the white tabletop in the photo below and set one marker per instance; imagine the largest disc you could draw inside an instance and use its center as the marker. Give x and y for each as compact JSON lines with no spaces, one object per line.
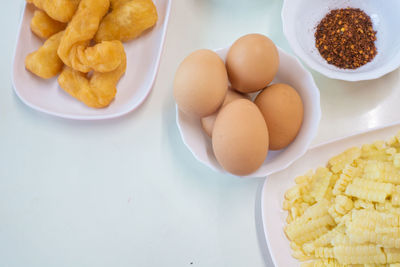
{"x":127,"y":192}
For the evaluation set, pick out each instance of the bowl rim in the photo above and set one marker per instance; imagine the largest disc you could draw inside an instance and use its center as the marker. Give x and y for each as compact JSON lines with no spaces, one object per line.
{"x":386,"y":68}
{"x":316,"y":118}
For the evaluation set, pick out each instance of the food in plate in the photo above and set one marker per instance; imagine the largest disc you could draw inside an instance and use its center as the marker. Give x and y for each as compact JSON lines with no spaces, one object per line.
{"x":208,"y":122}
{"x":116,"y":3}
{"x":127,"y":20}
{"x":240,"y":137}
{"x":201,"y":90}
{"x":102,"y":57}
{"x":346,"y":39}
{"x":96,"y":91}
{"x":92,"y":69}
{"x":60,"y":10}
{"x":252,"y":63}
{"x":282,"y":109}
{"x":200,"y":83}
{"x":348,"y":213}
{"x":45,"y":62}
{"x":44,"y":26}
{"x":74,"y":50}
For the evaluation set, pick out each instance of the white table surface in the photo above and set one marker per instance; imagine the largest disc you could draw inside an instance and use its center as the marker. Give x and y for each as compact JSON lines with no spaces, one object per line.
{"x":127,"y":192}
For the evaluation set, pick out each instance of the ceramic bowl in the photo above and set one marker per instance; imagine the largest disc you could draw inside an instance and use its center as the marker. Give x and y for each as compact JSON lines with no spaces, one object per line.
{"x":300,"y":18}
{"x":290,"y":72}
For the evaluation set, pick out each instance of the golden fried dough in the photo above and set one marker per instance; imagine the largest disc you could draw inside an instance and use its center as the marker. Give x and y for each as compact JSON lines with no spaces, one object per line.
{"x":96,"y":92}
{"x":116,"y":3}
{"x":127,"y":20}
{"x":74,"y":51}
{"x":45,"y":62}
{"x":60,"y":10}
{"x":44,"y":26}
{"x":103,"y":57}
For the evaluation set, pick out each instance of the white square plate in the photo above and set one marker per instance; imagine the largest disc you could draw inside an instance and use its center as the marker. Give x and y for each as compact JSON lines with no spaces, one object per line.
{"x":143,"y":55}
{"x":275,"y":186}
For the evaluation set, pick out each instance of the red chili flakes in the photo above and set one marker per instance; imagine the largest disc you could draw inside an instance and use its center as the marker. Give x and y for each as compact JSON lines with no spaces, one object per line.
{"x":345,"y":38}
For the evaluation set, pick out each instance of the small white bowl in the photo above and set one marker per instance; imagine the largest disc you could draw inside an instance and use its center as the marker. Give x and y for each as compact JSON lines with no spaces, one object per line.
{"x":290,"y":72}
{"x":300,"y":18}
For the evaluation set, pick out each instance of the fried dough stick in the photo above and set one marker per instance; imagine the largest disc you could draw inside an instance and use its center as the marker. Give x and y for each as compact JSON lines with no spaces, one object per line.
{"x":116,"y":3}
{"x":73,"y":49}
{"x":127,"y":20}
{"x":45,"y":62}
{"x":96,"y":92}
{"x":44,"y":26}
{"x":60,"y":10}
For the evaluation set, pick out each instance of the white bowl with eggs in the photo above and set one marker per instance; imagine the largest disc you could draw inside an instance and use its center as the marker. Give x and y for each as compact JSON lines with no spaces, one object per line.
{"x":290,"y":72}
{"x":300,"y":19}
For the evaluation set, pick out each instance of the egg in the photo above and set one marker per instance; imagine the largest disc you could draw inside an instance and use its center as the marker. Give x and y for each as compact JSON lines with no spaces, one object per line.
{"x":240,"y":137}
{"x":208,"y":122}
{"x":282,"y":109}
{"x":252,"y":63}
{"x":200,"y":83}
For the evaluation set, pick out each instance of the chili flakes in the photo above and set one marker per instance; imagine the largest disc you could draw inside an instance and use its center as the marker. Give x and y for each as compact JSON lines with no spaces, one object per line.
{"x":346,"y":39}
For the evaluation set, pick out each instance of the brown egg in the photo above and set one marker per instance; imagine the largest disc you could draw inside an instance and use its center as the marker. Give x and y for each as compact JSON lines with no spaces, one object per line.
{"x":282,"y":109}
{"x":208,"y":122}
{"x":240,"y":137}
{"x":252,"y":63}
{"x":200,"y":83}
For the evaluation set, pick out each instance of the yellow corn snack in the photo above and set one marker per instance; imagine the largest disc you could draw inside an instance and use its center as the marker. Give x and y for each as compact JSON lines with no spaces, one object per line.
{"x":348,"y":213}
{"x":322,"y":263}
{"x":338,"y":162}
{"x":395,"y":199}
{"x":369,"y":190}
{"x":359,"y":254}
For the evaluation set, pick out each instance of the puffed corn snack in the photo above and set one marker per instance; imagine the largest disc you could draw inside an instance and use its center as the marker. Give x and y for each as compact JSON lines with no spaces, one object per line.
{"x":348,"y":213}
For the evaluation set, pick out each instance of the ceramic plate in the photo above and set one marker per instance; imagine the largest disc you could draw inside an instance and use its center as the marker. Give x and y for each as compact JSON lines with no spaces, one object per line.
{"x":143,"y":56}
{"x":275,"y":186}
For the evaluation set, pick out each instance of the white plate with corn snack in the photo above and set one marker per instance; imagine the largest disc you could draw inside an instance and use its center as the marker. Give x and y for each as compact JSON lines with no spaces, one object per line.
{"x":342,"y":213}
{"x":143,"y":58}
